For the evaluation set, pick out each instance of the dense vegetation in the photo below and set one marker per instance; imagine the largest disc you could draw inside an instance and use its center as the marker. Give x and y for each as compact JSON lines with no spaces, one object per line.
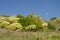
{"x":29,"y":23}
{"x":29,"y":27}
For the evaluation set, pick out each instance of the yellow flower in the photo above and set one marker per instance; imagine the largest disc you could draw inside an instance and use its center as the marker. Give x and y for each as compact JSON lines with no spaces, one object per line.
{"x":15,"y":25}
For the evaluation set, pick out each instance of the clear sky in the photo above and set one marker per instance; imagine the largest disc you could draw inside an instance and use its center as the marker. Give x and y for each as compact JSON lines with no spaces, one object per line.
{"x":45,"y":8}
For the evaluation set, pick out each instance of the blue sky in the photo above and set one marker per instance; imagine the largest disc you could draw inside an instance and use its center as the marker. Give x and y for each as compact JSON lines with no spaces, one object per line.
{"x":45,"y":8}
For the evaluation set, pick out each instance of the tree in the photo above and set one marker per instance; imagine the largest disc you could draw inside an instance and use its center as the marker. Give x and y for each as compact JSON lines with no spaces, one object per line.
{"x":4,"y":15}
{"x":19,"y":16}
{"x":53,"y":18}
{"x":26,"y":20}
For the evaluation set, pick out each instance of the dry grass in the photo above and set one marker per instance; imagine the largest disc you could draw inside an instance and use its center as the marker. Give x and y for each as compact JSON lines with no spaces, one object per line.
{"x":14,"y":35}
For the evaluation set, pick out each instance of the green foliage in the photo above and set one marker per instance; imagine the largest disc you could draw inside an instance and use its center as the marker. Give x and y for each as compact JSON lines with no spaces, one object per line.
{"x":31,"y":19}
{"x":54,"y":24}
{"x":23,"y":22}
{"x":19,"y":16}
{"x":30,"y":22}
{"x":51,"y":26}
{"x":4,"y":15}
{"x":34,"y":20}
{"x":26,"y":21}
{"x":53,"y":18}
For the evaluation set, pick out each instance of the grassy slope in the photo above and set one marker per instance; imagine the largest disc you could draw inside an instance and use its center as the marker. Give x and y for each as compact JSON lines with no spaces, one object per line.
{"x":14,"y":35}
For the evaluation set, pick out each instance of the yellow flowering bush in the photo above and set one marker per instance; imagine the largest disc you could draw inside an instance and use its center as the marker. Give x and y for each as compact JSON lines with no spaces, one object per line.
{"x":44,"y":24}
{"x":31,"y":27}
{"x":4,"y":24}
{"x":13,"y":19}
{"x":15,"y":26}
